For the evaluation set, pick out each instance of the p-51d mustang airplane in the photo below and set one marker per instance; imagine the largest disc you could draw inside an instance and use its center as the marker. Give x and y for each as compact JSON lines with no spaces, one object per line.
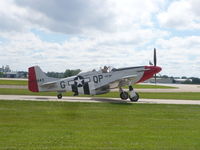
{"x":94,"y":82}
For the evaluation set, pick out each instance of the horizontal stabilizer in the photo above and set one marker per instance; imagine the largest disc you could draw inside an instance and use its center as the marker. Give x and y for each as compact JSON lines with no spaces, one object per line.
{"x":49,"y":85}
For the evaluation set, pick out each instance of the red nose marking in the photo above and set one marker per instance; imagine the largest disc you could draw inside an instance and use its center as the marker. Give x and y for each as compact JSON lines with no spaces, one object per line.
{"x":149,"y":72}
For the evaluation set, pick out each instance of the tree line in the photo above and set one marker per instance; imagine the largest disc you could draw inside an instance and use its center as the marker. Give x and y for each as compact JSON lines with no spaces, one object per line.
{"x":67,"y":73}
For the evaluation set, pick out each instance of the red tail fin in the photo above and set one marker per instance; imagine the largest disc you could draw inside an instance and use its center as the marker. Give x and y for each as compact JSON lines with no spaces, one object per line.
{"x":32,"y":81}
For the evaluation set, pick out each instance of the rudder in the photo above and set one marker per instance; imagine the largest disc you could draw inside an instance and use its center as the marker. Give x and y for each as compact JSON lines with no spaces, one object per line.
{"x":32,"y":80}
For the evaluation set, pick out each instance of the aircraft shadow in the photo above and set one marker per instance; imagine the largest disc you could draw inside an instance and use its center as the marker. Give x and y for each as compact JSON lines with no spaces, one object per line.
{"x":109,"y":100}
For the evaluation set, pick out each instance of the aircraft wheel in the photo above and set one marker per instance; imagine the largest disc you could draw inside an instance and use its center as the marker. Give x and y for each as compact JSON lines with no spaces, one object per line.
{"x":59,"y":96}
{"x":124,"y":95}
{"x":135,"y":98}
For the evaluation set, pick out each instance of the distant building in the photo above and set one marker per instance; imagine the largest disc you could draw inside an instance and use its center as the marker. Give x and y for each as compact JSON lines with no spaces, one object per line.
{"x":20,"y":74}
{"x":6,"y":72}
{"x":2,"y":69}
{"x":160,"y":80}
{"x":180,"y":81}
{"x":10,"y":74}
{"x":7,"y":69}
{"x":168,"y":80}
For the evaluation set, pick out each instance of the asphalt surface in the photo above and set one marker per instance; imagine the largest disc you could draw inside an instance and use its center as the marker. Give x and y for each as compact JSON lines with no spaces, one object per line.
{"x":92,"y":99}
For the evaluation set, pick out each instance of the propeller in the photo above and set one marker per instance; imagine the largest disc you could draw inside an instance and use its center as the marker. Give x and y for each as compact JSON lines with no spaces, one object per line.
{"x":154,"y":57}
{"x":155,"y":62}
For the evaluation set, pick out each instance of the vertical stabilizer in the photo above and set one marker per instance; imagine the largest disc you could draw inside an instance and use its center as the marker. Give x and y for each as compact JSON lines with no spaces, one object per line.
{"x":36,"y":77}
{"x":32,"y":80}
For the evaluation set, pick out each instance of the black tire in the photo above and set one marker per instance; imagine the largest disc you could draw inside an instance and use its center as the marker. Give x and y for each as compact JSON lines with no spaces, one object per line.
{"x":59,"y":96}
{"x":124,"y":95}
{"x":135,"y":98}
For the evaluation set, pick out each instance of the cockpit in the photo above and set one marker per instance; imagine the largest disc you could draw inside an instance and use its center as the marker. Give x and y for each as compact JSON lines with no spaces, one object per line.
{"x":105,"y":69}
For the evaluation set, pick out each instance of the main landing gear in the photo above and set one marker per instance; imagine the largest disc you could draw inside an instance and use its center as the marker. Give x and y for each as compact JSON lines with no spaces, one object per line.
{"x":132,"y":95}
{"x":59,"y":95}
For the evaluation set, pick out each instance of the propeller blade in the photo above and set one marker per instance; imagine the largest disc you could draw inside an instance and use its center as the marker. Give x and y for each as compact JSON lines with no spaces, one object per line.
{"x":155,"y":57}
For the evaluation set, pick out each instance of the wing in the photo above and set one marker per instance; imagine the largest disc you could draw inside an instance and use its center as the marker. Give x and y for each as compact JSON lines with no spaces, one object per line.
{"x":118,"y":83}
{"x":126,"y":80}
{"x":123,"y":81}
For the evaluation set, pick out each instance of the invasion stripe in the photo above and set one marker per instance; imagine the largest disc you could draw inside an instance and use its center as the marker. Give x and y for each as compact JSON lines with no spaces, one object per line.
{"x":86,"y":88}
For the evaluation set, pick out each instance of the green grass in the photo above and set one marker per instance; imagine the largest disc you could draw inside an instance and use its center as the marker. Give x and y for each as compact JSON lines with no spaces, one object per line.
{"x":13,"y":82}
{"x":12,"y":91}
{"x":146,"y":86}
{"x":26,"y":125}
{"x":182,"y":95}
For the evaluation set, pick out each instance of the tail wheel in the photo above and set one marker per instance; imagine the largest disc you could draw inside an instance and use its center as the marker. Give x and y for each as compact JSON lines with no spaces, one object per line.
{"x":124,"y":95}
{"x":135,"y":98}
{"x":59,"y":96}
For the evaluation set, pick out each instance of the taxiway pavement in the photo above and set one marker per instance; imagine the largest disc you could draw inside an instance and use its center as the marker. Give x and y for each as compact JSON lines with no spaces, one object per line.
{"x":94,"y":99}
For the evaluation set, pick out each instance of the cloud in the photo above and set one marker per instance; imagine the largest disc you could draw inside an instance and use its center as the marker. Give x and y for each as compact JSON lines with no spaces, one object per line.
{"x":182,"y":15}
{"x":72,"y":16}
{"x":176,"y":55}
{"x":28,"y":49}
{"x":80,"y":16}
{"x":9,"y":17}
{"x":91,"y":34}
{"x":180,"y":55}
{"x":189,"y":43}
{"x":131,"y":13}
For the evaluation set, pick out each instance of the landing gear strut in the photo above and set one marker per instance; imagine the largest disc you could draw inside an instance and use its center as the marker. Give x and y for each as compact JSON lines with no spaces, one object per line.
{"x":123,"y":94}
{"x":134,"y":97}
{"x":59,"y":96}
